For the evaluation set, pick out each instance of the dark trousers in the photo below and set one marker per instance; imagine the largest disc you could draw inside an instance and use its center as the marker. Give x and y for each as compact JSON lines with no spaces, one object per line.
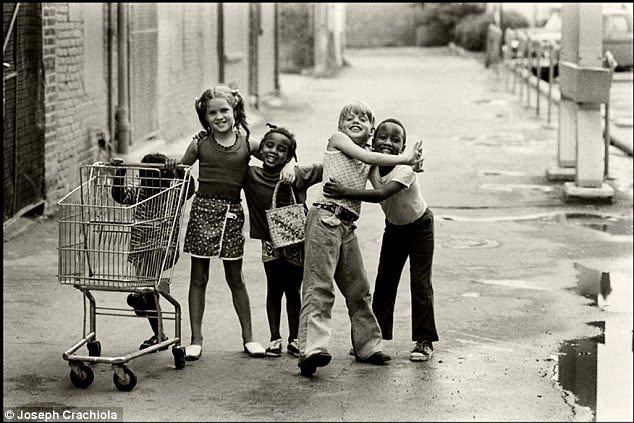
{"x":283,"y":278}
{"x":416,"y":241}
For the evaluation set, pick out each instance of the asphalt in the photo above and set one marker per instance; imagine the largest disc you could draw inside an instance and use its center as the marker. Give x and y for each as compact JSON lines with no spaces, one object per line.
{"x":505,"y":274}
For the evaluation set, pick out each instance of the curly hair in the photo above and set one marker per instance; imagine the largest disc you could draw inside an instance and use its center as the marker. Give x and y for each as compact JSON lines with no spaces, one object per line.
{"x":235,"y":100}
{"x":396,"y":122}
{"x":292,"y":149}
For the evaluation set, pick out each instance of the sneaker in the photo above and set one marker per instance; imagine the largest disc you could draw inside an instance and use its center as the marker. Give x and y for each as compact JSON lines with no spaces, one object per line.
{"x":422,"y":351}
{"x":308,"y":366}
{"x":379,"y":358}
{"x":274,"y":349}
{"x":153,"y":341}
{"x":293,"y":347}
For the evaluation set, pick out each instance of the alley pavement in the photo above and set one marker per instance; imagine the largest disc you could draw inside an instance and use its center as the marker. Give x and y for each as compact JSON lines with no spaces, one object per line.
{"x":506,"y":273}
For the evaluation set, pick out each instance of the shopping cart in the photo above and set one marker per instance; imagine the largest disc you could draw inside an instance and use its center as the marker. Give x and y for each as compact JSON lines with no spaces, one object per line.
{"x":105,"y":245}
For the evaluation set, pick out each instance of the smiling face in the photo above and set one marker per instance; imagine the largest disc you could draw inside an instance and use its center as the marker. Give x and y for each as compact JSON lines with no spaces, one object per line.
{"x":357,"y":126}
{"x":219,"y":115}
{"x":275,"y":150}
{"x":389,"y":139}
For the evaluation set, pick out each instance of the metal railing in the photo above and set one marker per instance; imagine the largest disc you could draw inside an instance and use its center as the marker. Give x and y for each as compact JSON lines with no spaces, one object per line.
{"x":524,"y":63}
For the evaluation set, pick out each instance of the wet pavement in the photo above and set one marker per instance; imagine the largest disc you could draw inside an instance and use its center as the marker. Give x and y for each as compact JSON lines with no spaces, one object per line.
{"x":531,"y":293}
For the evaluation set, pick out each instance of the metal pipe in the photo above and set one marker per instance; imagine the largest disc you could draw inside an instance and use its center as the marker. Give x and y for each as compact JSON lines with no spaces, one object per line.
{"x":122,"y":121}
{"x":8,"y":34}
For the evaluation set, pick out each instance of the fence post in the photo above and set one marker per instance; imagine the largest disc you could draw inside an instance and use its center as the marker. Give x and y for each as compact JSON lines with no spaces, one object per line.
{"x":538,"y":56}
{"x":551,"y":73}
{"x":529,"y":67}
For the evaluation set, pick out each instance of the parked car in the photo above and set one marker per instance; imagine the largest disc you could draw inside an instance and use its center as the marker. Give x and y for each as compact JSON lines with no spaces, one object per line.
{"x":617,"y":37}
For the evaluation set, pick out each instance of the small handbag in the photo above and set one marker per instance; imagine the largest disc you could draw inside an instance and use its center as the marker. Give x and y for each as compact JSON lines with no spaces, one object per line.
{"x":287,"y":225}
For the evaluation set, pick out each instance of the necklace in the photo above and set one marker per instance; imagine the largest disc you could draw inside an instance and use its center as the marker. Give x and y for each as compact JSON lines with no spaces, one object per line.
{"x":226,"y":147}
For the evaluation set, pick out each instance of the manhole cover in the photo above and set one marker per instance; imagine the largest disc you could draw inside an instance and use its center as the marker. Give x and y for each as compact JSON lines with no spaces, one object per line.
{"x":504,"y":139}
{"x":463,"y":243}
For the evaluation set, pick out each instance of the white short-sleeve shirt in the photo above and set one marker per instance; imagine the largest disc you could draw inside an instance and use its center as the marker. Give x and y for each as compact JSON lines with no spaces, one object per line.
{"x":408,"y":204}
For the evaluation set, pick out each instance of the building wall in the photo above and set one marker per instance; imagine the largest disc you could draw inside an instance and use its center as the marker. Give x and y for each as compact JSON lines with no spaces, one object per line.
{"x":73,"y":114}
{"x":380,"y":24}
{"x":23,"y":109}
{"x":187,"y":65}
{"x":296,"y":37}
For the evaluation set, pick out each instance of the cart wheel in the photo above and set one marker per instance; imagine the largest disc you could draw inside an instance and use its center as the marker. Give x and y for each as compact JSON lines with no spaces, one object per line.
{"x":94,"y":348}
{"x":125,"y":385}
{"x":179,"y":357}
{"x":84,"y":378}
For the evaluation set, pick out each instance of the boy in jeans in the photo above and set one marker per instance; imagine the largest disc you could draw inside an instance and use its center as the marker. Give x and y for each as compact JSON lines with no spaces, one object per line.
{"x":332,"y":253}
{"x":409,"y":233}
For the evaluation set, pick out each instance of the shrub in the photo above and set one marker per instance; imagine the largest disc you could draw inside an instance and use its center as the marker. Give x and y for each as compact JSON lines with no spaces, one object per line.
{"x":513,"y":20}
{"x":471,"y":32}
{"x":443,"y":17}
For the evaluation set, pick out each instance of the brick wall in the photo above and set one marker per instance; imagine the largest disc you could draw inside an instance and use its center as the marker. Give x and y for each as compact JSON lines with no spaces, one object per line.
{"x":380,"y":24}
{"x":70,"y":112}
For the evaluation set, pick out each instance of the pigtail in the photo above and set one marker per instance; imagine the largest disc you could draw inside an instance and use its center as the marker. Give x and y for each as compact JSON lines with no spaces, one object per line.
{"x":199,"y":105}
{"x":241,"y":116}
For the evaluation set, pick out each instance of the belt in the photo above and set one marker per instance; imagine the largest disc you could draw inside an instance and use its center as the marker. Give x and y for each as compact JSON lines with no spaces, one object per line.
{"x":341,"y":212}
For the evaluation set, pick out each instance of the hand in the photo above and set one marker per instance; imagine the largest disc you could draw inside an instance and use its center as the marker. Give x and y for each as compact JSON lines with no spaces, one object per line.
{"x":415,"y":156}
{"x":287,"y":175}
{"x":170,"y":164}
{"x":334,"y":189}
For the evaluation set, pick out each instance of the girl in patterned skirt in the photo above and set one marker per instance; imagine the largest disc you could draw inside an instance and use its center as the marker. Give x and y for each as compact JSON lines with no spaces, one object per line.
{"x":217,"y":218}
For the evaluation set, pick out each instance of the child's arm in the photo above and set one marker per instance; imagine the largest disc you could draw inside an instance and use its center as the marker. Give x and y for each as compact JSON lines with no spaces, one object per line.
{"x":343,"y":143}
{"x":335,"y":189}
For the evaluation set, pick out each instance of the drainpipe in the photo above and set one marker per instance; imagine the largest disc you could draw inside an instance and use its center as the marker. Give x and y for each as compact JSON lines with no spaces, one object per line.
{"x":122,"y":122}
{"x":276,"y":46}
{"x":220,"y":43}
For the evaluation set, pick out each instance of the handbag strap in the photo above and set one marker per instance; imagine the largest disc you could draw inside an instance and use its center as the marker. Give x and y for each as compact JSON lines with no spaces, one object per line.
{"x":274,"y":200}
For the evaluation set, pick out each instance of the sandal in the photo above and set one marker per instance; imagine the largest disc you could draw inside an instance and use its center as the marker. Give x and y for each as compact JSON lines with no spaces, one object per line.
{"x":193,"y":352}
{"x":254,"y":349}
{"x":153,"y":341}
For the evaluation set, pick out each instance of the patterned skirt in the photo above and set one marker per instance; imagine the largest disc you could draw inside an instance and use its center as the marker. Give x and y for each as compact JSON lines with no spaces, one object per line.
{"x":215,"y":229}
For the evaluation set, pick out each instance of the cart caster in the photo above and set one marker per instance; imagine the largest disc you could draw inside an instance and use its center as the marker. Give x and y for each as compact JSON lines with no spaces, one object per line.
{"x":81,"y":375}
{"x":127,"y":380}
{"x":179,"y":356}
{"x":94,"y":348}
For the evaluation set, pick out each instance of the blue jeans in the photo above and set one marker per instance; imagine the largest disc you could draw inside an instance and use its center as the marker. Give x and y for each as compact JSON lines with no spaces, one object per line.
{"x":332,"y":255}
{"x":416,"y":241}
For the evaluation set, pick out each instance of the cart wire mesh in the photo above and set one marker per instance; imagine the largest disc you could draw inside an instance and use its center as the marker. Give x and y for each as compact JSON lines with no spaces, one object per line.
{"x":119,"y":229}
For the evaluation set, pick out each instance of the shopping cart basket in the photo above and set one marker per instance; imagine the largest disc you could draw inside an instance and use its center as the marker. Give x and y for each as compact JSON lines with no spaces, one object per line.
{"x":126,"y":245}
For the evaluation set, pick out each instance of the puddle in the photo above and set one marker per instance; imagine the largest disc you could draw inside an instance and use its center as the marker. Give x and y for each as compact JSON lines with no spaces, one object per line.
{"x":604,"y":223}
{"x":511,"y":187}
{"x":610,"y":291}
{"x":512,"y":283}
{"x":500,"y":172}
{"x":600,"y":222}
{"x":598,"y":371}
{"x":463,"y":243}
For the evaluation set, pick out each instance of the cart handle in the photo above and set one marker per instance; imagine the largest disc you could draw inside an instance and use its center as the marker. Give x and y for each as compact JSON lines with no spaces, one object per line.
{"x":120,"y":162}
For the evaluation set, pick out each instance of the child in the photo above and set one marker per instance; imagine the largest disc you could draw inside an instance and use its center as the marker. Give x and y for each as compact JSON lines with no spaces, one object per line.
{"x":283,"y":266}
{"x":216,"y":219}
{"x":332,"y":251}
{"x":146,"y":238}
{"x":409,"y":232}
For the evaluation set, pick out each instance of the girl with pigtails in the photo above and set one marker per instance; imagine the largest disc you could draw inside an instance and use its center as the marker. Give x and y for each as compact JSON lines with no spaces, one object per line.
{"x":217,"y":217}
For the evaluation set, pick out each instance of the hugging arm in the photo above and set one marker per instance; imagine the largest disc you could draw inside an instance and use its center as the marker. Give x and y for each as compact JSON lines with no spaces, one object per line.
{"x":335,"y":189}
{"x":343,"y":143}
